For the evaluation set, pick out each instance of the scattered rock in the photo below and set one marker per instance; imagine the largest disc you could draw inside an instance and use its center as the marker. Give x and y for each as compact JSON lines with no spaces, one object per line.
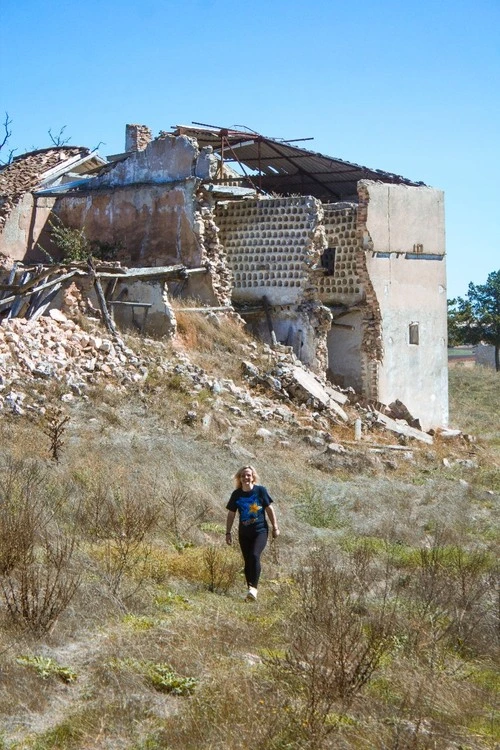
{"x":335,"y":448}
{"x":264,"y":434}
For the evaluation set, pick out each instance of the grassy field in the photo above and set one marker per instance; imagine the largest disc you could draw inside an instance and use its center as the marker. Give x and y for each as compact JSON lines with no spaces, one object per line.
{"x":122,"y":618}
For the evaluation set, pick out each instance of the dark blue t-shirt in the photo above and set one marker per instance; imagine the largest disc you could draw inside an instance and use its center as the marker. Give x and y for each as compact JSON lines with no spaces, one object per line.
{"x":251,"y":507}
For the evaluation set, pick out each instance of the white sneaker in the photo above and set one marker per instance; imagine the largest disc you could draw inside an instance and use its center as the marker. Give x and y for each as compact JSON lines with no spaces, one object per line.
{"x":252,"y":594}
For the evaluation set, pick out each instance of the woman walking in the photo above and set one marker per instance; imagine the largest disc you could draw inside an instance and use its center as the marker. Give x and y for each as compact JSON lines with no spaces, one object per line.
{"x":253,"y":503}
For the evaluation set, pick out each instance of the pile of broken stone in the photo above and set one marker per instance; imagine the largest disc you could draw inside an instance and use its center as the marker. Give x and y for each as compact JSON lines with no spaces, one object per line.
{"x":55,"y":347}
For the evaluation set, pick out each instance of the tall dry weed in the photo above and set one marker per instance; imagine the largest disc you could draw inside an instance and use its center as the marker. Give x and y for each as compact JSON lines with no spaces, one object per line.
{"x":41,"y":585}
{"x":119,"y":520}
{"x":337,"y":638}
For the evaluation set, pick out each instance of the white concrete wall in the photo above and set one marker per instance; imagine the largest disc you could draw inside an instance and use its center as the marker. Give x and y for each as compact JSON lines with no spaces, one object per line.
{"x":413,"y":291}
{"x":403,"y":218}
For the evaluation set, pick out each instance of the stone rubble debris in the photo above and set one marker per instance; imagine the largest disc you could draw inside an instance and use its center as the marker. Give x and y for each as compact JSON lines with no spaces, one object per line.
{"x":56,"y":348}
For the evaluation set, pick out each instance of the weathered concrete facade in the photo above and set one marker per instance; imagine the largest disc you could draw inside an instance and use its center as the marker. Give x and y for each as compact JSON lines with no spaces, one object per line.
{"x":23,"y":212}
{"x":404,"y":242}
{"x":152,"y":207}
{"x":356,"y":286}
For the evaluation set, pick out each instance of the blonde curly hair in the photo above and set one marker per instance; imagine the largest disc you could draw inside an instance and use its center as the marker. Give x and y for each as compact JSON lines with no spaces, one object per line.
{"x":237,"y":476}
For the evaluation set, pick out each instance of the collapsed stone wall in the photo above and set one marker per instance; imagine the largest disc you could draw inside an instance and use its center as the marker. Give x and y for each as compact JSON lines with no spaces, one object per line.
{"x":272,"y":247}
{"x":213,"y":254}
{"x":372,"y":346}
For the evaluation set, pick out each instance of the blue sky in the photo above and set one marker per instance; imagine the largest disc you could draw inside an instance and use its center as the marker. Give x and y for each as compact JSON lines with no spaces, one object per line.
{"x":411,"y":88}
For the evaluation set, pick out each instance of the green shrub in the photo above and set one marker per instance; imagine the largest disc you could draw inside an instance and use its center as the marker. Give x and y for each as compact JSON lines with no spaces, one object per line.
{"x":46,"y":668}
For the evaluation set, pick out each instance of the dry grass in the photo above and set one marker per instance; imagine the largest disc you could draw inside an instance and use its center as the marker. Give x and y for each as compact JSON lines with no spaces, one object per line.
{"x":405,"y":554}
{"x":213,"y":342}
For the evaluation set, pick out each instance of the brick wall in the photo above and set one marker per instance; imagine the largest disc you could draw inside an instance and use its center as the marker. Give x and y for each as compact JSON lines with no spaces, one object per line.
{"x":137,"y":137}
{"x":344,"y":285}
{"x":271,"y":245}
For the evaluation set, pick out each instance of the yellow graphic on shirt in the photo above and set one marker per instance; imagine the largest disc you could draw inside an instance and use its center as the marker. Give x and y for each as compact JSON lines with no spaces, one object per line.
{"x":254,"y":508}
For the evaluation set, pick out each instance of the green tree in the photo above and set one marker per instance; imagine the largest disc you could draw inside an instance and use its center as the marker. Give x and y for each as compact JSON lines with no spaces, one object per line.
{"x":476,"y":319}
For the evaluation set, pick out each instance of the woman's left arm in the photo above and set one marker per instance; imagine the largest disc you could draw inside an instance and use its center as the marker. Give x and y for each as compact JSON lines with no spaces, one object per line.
{"x":272,"y":517}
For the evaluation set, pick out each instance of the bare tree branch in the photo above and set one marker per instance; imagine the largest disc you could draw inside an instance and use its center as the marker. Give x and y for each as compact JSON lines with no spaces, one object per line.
{"x":6,"y":126}
{"x":58,"y":139}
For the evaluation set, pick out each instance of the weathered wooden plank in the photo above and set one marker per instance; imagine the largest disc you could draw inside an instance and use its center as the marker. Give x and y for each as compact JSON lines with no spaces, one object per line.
{"x":108,"y":321}
{"x":203,"y":309}
{"x":18,"y":300}
{"x":38,"y":309}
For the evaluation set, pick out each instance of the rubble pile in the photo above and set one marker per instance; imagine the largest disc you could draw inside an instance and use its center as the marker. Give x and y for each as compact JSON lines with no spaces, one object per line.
{"x":55,"y":347}
{"x":290,"y":380}
{"x":278,"y":387}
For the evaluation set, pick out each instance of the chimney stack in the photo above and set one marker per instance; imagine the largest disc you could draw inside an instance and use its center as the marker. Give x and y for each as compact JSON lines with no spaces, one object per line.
{"x":137,"y":137}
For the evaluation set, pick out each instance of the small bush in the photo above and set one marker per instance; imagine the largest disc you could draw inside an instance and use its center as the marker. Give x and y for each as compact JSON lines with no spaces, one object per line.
{"x":221,"y":568}
{"x":182,"y":510}
{"x":313,"y":509}
{"x":215,"y":567}
{"x":120,"y":520}
{"x":75,"y":247}
{"x":337,"y":639}
{"x":24,"y":510}
{"x":72,"y":243}
{"x":41,"y":585}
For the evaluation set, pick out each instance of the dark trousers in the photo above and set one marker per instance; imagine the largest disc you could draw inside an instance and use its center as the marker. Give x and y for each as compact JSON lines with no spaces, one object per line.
{"x":252,"y":546}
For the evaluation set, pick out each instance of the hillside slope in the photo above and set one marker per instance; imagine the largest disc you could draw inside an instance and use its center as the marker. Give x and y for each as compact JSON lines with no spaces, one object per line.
{"x":123,"y":623}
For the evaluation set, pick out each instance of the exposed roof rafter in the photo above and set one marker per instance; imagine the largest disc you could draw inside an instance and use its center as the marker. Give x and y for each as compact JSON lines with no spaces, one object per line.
{"x":277,"y":164}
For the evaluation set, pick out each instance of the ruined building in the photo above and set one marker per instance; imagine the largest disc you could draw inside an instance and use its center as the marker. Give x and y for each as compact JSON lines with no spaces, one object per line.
{"x":345,"y":264}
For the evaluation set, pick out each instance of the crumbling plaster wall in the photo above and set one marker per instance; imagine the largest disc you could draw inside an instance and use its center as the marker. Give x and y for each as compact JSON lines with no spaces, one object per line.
{"x":150,"y":224}
{"x":404,"y":245}
{"x":272,"y":247}
{"x":166,"y":159}
{"x":151,"y":206}
{"x":24,"y":227}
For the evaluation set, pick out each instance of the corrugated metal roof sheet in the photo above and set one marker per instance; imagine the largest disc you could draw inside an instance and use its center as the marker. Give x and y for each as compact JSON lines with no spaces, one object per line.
{"x":278,"y":166}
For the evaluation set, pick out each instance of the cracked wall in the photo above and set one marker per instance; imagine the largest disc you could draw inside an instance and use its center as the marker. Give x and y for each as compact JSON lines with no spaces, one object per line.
{"x":150,"y":206}
{"x":402,"y":229}
{"x":272,"y":246}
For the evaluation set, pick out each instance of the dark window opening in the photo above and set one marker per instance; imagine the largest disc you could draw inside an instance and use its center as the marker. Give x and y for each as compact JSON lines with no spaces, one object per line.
{"x":413,"y":333}
{"x":328,"y":261}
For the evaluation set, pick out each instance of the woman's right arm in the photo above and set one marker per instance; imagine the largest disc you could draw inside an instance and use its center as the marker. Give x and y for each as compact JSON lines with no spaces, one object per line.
{"x":229,"y":525}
